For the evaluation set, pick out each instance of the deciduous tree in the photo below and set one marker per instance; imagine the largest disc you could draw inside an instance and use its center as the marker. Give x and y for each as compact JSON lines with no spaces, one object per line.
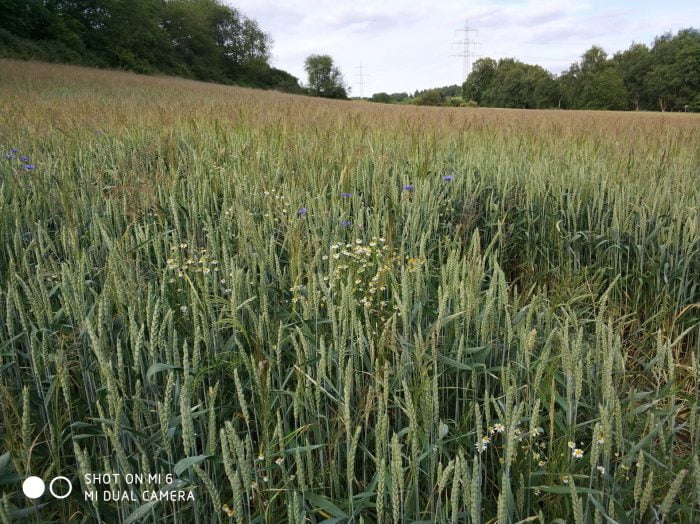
{"x":325,"y":79}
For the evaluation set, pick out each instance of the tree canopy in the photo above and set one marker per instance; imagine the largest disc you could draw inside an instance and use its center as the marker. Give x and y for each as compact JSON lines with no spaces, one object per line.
{"x":325,"y":79}
{"x":664,"y":77}
{"x":510,"y":83}
{"x":389,"y":98}
{"x":202,"y":39}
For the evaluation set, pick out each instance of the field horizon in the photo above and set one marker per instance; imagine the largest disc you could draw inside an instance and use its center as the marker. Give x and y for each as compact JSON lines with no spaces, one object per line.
{"x":293,"y":309}
{"x":60,"y":70}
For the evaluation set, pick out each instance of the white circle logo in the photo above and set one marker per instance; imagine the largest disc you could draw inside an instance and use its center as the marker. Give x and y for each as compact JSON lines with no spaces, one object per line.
{"x":70,"y":487}
{"x":33,"y":487}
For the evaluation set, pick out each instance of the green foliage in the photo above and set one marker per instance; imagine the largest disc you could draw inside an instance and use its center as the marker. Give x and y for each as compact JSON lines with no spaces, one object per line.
{"x":449,"y":96}
{"x":431,"y":97}
{"x":664,"y":77}
{"x":399,"y":97}
{"x":480,"y":79}
{"x":694,"y":104}
{"x":383,"y":98}
{"x":258,"y":73}
{"x":386,"y":98}
{"x":325,"y":79}
{"x":510,"y":83}
{"x":674,"y":78}
{"x":445,"y":91}
{"x":601,"y":84}
{"x":203,"y":39}
{"x":634,"y":65}
{"x":605,"y":90}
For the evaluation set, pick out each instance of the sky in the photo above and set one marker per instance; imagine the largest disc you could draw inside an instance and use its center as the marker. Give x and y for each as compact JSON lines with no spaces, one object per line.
{"x":405,"y":45}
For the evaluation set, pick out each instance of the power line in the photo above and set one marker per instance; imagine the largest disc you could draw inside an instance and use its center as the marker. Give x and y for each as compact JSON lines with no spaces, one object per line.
{"x":362,"y":75}
{"x":467,"y":44}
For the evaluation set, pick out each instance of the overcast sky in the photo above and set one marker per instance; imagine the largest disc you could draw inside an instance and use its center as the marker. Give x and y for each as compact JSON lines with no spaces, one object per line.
{"x":406,"y":45}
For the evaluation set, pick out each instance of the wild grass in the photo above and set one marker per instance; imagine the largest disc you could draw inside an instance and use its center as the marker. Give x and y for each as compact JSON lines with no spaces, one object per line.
{"x":185,"y":290}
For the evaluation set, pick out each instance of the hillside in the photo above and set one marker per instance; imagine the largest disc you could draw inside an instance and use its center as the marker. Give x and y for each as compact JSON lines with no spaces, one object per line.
{"x":292,"y":309}
{"x":206,"y":40}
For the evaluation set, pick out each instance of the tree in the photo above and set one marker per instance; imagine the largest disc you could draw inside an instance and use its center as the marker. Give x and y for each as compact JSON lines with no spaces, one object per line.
{"x":386,"y":98}
{"x":205,"y":34}
{"x":593,"y":60}
{"x":545,"y":89}
{"x":634,"y":65}
{"x":325,"y":79}
{"x":260,"y":74}
{"x":602,"y":85}
{"x":510,"y":83}
{"x":570,"y":87}
{"x":399,"y":97}
{"x":674,"y":79}
{"x":383,"y":98}
{"x":605,"y":89}
{"x":479,"y":79}
{"x":594,"y":83}
{"x":130,"y":36}
{"x":430,"y":97}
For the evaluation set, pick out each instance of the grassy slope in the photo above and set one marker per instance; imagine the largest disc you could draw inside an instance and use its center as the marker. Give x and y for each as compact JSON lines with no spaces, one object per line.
{"x":161,"y":298}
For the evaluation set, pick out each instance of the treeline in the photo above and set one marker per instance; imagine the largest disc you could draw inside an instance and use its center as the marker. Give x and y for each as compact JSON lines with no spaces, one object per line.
{"x":438,"y":96}
{"x":201,"y":39}
{"x":665,"y":77}
{"x":387,"y":98}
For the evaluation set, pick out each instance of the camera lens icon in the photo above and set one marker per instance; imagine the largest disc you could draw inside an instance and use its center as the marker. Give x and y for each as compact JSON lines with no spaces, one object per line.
{"x":34,"y":487}
{"x":60,"y":495}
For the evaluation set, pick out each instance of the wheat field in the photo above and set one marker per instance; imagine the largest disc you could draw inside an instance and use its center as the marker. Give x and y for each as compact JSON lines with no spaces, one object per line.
{"x":299,"y":310}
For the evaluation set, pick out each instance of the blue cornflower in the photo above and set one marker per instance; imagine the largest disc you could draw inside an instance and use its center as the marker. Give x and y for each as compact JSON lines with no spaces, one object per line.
{"x":447,"y":178}
{"x":346,"y":195}
{"x":9,"y":156}
{"x":14,"y":150}
{"x":302,"y":211}
{"x":408,"y":187}
{"x":24,"y":159}
{"x":346,"y":223}
{"x":29,"y":167}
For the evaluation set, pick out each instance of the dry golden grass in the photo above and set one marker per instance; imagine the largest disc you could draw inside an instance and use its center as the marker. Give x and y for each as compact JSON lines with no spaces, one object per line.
{"x":74,"y":98}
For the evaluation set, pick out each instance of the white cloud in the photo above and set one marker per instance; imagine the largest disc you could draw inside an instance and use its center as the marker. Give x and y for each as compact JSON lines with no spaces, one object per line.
{"x":404,"y":46}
